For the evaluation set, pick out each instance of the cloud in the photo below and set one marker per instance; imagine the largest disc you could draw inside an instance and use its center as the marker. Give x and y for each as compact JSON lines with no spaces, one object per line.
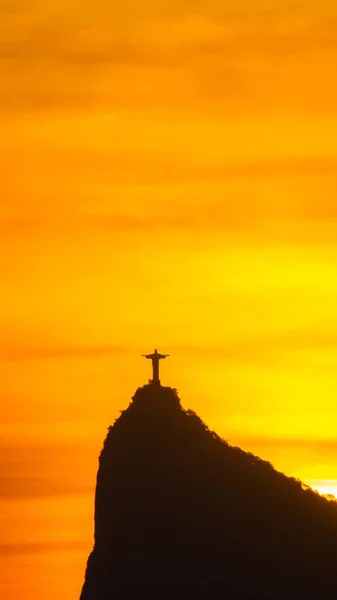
{"x":16,"y":549}
{"x":173,"y":166}
{"x":94,"y":54}
{"x":326,"y":449}
{"x":155,"y":35}
{"x":19,"y":353}
{"x":279,"y":341}
{"x":279,"y":349}
{"x":19,"y":486}
{"x":47,"y":470}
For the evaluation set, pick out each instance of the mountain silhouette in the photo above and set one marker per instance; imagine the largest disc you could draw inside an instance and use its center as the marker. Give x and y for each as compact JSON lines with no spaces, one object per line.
{"x":179,"y":513}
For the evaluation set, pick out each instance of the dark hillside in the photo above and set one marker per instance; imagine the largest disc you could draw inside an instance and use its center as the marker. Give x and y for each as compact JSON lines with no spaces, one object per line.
{"x":181,"y":514}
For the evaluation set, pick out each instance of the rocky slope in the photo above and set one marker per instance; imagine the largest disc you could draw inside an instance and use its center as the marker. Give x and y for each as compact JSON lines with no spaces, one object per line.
{"x":181,"y":514}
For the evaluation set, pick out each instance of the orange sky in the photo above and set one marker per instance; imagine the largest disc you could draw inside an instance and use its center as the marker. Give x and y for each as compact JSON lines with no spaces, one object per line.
{"x":169,"y":180}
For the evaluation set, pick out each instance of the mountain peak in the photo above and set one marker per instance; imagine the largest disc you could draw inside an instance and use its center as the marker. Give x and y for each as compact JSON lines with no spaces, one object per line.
{"x":181,"y":513}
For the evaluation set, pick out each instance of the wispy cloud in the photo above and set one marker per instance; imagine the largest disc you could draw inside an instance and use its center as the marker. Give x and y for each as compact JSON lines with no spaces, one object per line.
{"x":58,"y":352}
{"x":266,"y":348}
{"x":19,"y":485}
{"x":46,"y":470}
{"x":16,"y":549}
{"x":161,"y":54}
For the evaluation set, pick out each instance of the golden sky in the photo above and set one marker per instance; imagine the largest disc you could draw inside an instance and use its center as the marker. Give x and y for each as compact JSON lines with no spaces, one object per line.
{"x":169,"y":179}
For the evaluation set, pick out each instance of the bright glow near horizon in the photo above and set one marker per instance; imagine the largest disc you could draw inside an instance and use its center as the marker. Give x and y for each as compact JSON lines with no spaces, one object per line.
{"x":325,"y":486}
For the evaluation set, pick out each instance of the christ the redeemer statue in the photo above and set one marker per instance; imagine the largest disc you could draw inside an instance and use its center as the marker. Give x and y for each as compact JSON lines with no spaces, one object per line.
{"x":155,"y":357}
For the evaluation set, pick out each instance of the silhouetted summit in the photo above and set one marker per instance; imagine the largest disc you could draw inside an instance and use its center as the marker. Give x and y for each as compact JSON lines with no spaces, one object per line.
{"x":181,"y":514}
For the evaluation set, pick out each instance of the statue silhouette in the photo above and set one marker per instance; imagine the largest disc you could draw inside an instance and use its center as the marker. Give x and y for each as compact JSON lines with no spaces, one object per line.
{"x":155,"y":357}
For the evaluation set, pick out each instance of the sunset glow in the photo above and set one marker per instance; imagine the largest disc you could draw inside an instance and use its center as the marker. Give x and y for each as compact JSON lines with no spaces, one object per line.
{"x":325,"y":487}
{"x":169,"y":178}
